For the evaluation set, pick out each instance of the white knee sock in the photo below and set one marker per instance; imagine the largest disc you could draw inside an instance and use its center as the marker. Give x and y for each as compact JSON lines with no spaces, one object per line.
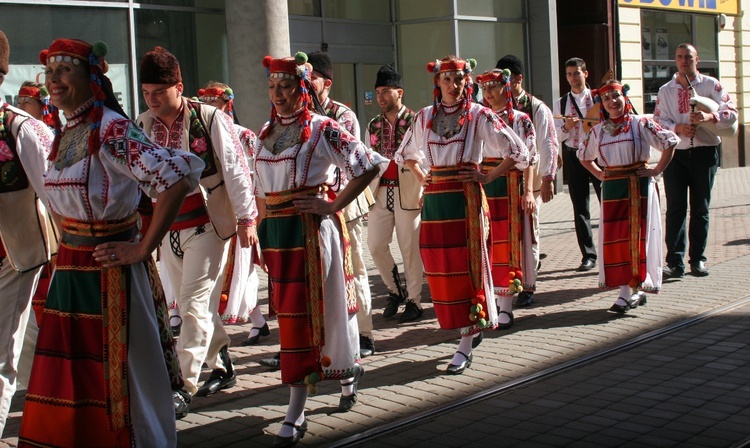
{"x":625,"y":293}
{"x":257,"y":320}
{"x":464,"y":346}
{"x":504,"y":303}
{"x":296,"y":410}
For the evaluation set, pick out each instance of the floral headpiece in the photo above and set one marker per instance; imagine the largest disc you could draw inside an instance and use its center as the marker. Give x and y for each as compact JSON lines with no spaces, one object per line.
{"x":76,"y":52}
{"x":40,"y":94}
{"x":452,"y":66}
{"x":291,"y":68}
{"x":498,"y":77}
{"x":610,"y":87}
{"x":211,"y":93}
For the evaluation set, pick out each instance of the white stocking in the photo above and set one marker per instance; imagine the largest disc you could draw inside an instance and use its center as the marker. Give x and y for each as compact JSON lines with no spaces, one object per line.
{"x":464,"y":346}
{"x":504,"y":303}
{"x":257,"y":320}
{"x":296,"y":410}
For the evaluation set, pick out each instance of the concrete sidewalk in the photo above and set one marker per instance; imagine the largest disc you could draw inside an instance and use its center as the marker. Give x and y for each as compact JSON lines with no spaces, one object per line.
{"x":567,"y":320}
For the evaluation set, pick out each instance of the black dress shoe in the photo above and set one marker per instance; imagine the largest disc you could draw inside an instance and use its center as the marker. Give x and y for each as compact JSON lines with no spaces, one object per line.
{"x":346,"y":402}
{"x":508,"y":324}
{"x":274,"y":363}
{"x":699,"y":269}
{"x":524,"y":298}
{"x":587,"y":265}
{"x":219,"y":379}
{"x":391,"y":308}
{"x":411,"y":312}
{"x":182,"y":401}
{"x":366,"y":346}
{"x":458,"y":369}
{"x":476,"y":340}
{"x":672,"y":272}
{"x":280,"y":442}
{"x":262,"y":331}
{"x":620,"y":309}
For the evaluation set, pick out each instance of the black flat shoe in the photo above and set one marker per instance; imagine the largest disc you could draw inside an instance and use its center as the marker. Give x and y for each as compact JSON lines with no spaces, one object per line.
{"x":252,"y":340}
{"x":280,"y":442}
{"x":477,"y":340}
{"x":346,"y":402}
{"x":391,"y":308}
{"x":508,"y":324}
{"x":273,"y":363}
{"x":672,"y":272}
{"x":366,"y":346}
{"x":219,"y":379}
{"x":182,"y":401}
{"x":525,"y":298}
{"x":620,"y":309}
{"x":458,"y":369}
{"x":411,"y":312}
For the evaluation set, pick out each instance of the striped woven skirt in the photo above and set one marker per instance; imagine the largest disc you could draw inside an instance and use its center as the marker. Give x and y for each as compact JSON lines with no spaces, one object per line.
{"x":94,"y":382}
{"x":630,"y":238}
{"x":309,"y":265}
{"x":454,"y":241}
{"x":511,"y":229}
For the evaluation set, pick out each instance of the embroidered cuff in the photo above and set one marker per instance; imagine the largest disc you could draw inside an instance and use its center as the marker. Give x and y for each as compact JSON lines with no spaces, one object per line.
{"x":247,"y":222}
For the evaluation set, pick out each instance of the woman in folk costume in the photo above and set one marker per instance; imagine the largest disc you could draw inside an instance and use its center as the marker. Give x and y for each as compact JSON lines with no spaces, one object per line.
{"x":239,"y":300}
{"x":630,"y":240}
{"x":511,"y":200}
{"x":304,"y":240}
{"x":449,"y":140}
{"x":105,"y":357}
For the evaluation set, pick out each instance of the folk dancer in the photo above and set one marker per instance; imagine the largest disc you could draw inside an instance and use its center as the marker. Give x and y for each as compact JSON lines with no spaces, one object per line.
{"x":443,"y":149}
{"x":322,"y":80}
{"x":630,"y":248}
{"x":511,"y":201}
{"x":397,"y":200}
{"x":105,"y":361}
{"x":305,"y":241}
{"x":546,"y":168}
{"x":240,"y":303}
{"x":26,"y":243}
{"x":195,"y":248}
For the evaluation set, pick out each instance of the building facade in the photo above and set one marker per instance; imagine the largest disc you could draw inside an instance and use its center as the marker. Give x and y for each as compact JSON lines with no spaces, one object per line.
{"x":225,"y":40}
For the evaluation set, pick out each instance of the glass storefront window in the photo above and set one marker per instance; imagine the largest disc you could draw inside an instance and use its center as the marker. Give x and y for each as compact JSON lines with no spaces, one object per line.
{"x":423,"y":9}
{"x":661,"y":33}
{"x":508,"y":9}
{"x":197,"y":40}
{"x":33,"y":28}
{"x":304,"y":8}
{"x":419,"y":44}
{"x":489,"y":41}
{"x":369,"y":10}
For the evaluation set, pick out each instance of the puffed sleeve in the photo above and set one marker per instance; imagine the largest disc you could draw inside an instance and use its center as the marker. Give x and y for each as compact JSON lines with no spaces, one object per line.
{"x":234,"y":166}
{"x":727,"y":114}
{"x":656,"y":136}
{"x":587,"y":150}
{"x":155,"y":168}
{"x":347,"y":152}
{"x":493,"y":131}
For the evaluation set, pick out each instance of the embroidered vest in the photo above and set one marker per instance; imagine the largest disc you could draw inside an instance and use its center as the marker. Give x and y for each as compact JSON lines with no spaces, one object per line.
{"x":407,"y":118}
{"x":12,"y":175}
{"x":197,"y":126}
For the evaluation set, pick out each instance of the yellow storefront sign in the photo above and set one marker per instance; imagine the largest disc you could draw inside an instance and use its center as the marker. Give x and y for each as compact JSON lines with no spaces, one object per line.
{"x":706,"y":6}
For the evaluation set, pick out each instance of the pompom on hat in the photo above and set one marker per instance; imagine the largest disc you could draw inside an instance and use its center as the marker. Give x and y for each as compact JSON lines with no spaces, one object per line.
{"x":499,"y":77}
{"x":159,"y":66}
{"x":388,"y":77}
{"x":4,"y":53}
{"x":42,"y":95}
{"x":291,"y":68}
{"x":451,"y":65}
{"x":216,"y":91}
{"x":78,"y":52}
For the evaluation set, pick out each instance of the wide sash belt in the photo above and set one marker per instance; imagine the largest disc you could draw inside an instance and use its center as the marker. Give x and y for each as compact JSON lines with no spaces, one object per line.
{"x":281,"y":203}
{"x":91,"y":233}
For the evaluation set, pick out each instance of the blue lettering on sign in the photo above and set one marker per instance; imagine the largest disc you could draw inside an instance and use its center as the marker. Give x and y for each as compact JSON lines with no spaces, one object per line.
{"x":702,"y":4}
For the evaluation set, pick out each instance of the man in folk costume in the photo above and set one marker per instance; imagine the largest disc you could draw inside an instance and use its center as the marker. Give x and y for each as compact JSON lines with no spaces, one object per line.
{"x":574,"y":106}
{"x":26,"y":239}
{"x":195,"y":247}
{"x":397,"y":195}
{"x":322,"y":79}
{"x":545,"y":168}
{"x":695,"y":162}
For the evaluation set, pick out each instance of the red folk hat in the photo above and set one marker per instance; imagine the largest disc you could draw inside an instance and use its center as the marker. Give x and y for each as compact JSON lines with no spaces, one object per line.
{"x":291,"y":68}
